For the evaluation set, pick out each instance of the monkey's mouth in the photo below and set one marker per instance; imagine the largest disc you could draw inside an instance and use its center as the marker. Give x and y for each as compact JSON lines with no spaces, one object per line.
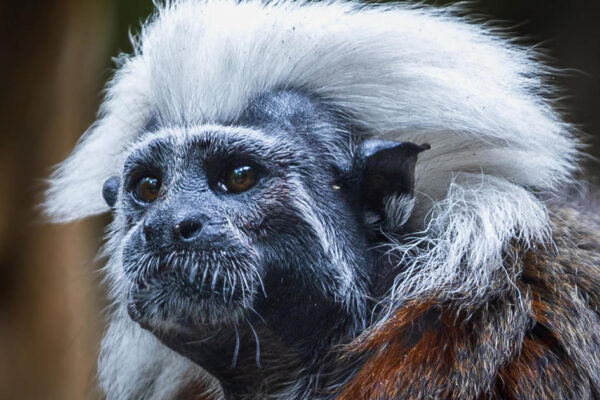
{"x":186,"y":292}
{"x":197,"y":285}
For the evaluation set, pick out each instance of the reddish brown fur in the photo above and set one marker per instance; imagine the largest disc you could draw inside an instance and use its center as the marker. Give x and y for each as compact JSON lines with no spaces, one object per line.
{"x":540,"y":342}
{"x":401,"y":357}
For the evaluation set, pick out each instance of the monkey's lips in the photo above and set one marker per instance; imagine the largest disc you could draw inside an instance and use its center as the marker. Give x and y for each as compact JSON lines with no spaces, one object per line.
{"x":173,"y":295}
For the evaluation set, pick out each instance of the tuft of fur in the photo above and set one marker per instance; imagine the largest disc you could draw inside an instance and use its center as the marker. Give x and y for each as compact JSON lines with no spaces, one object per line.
{"x":401,"y":72}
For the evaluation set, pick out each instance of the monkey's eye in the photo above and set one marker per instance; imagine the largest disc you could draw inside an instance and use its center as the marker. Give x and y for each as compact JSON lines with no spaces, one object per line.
{"x":238,"y":178}
{"x":146,"y":190}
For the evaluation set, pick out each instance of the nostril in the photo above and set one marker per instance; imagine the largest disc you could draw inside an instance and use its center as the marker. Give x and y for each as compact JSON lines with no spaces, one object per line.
{"x":188,"y":229}
{"x":147,"y":232}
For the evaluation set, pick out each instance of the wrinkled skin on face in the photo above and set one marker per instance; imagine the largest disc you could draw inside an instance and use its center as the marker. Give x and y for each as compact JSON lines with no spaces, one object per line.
{"x":245,"y":245}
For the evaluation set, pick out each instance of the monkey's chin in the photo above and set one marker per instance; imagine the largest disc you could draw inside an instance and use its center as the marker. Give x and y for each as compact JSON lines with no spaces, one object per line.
{"x":169,"y":306}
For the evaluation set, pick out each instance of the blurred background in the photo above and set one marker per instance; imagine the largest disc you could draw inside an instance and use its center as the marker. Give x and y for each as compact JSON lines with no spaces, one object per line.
{"x":56,"y":58}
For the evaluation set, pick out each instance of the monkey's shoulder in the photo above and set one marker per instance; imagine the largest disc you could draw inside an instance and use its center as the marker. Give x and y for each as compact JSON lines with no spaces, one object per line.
{"x":539,"y":338}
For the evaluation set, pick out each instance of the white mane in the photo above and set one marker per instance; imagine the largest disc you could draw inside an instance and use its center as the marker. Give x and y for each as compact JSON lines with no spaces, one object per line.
{"x":400,"y":72}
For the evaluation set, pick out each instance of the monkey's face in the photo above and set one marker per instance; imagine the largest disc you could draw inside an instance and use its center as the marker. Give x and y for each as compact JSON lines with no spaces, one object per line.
{"x":212,"y":214}
{"x":197,"y":202}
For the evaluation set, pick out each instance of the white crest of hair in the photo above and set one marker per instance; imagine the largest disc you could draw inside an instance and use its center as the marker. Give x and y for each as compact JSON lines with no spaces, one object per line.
{"x":401,"y":72}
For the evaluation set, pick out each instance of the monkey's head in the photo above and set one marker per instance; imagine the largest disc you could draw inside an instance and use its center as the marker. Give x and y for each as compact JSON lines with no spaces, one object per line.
{"x":266,"y":217}
{"x":258,"y":159}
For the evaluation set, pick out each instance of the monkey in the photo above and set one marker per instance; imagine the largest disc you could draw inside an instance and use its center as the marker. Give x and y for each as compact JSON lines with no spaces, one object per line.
{"x":331,"y":200}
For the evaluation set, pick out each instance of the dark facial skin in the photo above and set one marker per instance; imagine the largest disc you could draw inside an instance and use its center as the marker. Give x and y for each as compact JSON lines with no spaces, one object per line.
{"x":246,"y":247}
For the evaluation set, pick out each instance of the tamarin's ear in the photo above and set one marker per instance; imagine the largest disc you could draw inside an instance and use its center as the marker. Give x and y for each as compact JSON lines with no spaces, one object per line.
{"x":382,"y":168}
{"x":110,"y":190}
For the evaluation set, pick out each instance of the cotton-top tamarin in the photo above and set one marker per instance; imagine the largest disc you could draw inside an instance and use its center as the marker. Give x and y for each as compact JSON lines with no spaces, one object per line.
{"x":328,"y":200}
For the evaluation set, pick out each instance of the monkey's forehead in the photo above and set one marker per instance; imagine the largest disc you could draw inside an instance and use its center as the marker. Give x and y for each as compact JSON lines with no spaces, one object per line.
{"x":181,"y":142}
{"x":181,"y":136}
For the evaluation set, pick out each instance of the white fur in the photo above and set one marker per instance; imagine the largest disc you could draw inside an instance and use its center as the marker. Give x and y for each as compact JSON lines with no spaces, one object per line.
{"x":400,"y":72}
{"x":135,"y":365}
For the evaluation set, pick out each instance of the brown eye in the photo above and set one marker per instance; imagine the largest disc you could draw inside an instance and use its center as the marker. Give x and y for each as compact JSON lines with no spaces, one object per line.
{"x":146,"y":189}
{"x":239,"y":179}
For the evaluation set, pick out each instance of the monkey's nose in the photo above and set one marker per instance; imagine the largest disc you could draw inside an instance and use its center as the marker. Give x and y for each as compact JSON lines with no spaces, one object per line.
{"x":147,"y":231}
{"x":187,"y":230}
{"x":164,"y":227}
